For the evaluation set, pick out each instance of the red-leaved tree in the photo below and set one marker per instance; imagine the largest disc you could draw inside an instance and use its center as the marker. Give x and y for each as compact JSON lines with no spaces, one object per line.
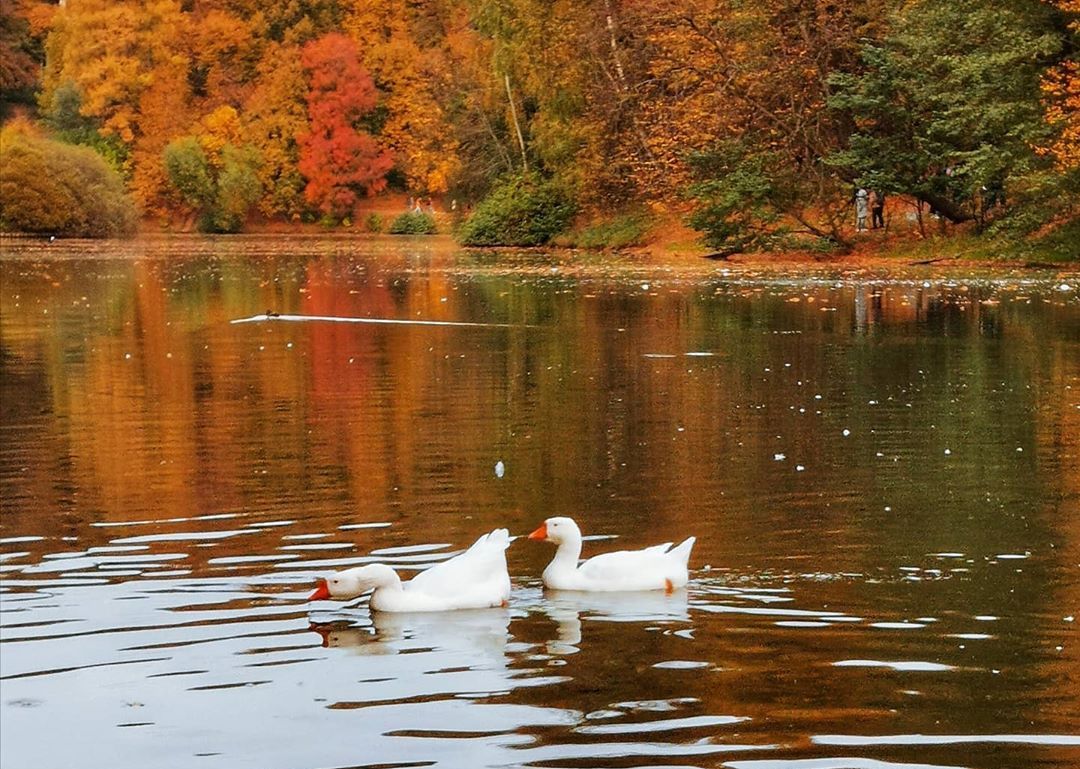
{"x":339,"y":161}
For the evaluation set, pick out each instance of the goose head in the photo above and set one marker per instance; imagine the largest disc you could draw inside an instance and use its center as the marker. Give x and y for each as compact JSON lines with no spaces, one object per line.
{"x":557,"y":530}
{"x":353,"y":583}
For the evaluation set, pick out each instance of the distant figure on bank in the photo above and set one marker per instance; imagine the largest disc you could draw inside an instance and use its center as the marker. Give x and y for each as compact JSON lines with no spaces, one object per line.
{"x":417,"y":209}
{"x":411,"y":204}
{"x":877,"y":210}
{"x":862,"y":198}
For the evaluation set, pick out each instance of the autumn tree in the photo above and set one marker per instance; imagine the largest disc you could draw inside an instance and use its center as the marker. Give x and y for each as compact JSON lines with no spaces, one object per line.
{"x":573,"y":75}
{"x":739,"y":102}
{"x":226,"y":47}
{"x":164,"y":112}
{"x":19,"y":55}
{"x":122,"y":65}
{"x":59,"y":189}
{"x":274,"y":116}
{"x":402,"y":45}
{"x":474,"y":105}
{"x":109,"y":50}
{"x":339,"y":160}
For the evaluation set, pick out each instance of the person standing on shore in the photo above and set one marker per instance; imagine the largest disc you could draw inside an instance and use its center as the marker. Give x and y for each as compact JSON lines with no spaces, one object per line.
{"x":877,"y":210}
{"x":861,"y":200}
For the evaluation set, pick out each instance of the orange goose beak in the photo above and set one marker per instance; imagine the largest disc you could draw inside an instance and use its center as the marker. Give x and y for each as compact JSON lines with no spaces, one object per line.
{"x":540,"y":533}
{"x":322,"y":592}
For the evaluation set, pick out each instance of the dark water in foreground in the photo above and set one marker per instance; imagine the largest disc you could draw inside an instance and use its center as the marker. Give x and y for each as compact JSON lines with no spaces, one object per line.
{"x":883,"y":476}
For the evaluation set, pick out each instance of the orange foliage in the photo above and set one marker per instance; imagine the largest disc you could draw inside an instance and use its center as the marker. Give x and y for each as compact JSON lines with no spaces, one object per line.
{"x":1061,"y":92}
{"x":226,"y":50}
{"x":726,"y":69}
{"x":163,"y":110}
{"x":337,"y":159}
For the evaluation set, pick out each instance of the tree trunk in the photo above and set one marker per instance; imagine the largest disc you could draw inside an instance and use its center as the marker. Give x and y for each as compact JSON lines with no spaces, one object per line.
{"x":517,"y":125}
{"x":945,"y":207}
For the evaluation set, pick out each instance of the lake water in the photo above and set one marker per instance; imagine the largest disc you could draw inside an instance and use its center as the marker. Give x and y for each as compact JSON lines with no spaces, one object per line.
{"x":883,"y":475}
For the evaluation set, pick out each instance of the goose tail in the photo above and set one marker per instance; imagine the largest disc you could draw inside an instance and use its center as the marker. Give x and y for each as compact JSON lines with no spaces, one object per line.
{"x":497,"y":538}
{"x":682,"y":551}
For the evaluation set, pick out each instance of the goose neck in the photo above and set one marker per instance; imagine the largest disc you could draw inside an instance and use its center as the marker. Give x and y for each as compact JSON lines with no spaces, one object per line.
{"x":568,"y":552}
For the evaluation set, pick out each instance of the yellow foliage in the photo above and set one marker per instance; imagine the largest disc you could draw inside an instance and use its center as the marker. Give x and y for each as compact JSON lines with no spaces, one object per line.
{"x":410,"y":78}
{"x":274,"y":115}
{"x":1061,"y":89}
{"x":214,"y":131}
{"x":110,"y":49}
{"x":1061,"y":93}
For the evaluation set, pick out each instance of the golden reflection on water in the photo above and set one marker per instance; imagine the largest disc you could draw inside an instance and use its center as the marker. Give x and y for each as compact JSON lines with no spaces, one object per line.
{"x":882,"y":476}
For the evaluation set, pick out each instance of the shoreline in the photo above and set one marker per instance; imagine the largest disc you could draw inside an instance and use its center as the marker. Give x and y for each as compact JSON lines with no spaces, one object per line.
{"x":901,"y":256}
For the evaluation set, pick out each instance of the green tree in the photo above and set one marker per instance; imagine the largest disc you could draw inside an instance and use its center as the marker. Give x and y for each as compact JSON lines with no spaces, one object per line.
{"x":947,"y":108}
{"x":522,"y":210}
{"x":189,"y":172}
{"x":222,"y":194}
{"x":64,"y":116}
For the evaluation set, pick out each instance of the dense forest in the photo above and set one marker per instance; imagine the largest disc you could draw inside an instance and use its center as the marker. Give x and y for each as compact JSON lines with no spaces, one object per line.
{"x":757,"y":120}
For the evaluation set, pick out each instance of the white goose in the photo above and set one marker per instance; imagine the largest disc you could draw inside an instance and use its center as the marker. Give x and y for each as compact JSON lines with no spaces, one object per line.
{"x":660,"y":567}
{"x":475,"y":579}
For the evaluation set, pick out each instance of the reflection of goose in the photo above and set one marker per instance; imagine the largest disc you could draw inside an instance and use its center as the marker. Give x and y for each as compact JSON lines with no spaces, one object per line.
{"x":566,"y":608}
{"x":660,"y":567}
{"x":475,"y":579}
{"x":479,"y":630}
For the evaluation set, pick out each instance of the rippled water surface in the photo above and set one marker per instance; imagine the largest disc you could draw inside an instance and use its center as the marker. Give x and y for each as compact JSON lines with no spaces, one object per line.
{"x":883,"y":476}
